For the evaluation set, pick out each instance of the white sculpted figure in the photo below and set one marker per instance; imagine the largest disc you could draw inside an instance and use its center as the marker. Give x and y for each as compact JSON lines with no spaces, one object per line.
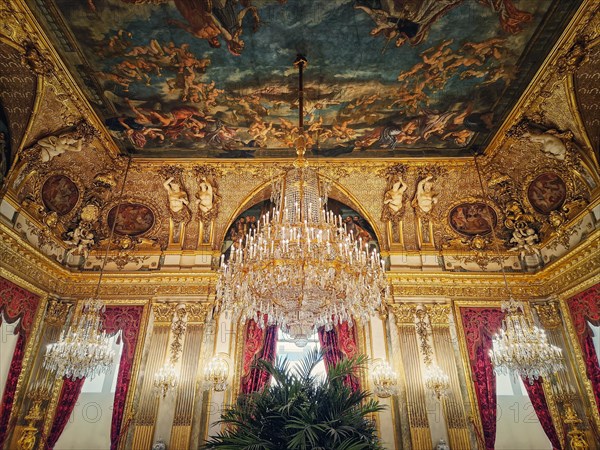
{"x":394,"y":197}
{"x":81,"y":238}
{"x":177,"y":198}
{"x":525,"y":239}
{"x":206,"y":196}
{"x":425,"y":196}
{"x":52,"y":146}
{"x":552,"y":146}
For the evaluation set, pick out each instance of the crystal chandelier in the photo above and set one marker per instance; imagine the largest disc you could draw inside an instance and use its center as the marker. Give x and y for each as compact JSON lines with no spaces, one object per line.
{"x":82,"y":350}
{"x":216,"y":374}
{"x":165,"y":380}
{"x":384,"y":379}
{"x":523,"y":348}
{"x":301,"y":267}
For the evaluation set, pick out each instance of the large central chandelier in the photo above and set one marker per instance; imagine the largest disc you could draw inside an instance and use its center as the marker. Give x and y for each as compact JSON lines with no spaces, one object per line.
{"x":301,"y":266}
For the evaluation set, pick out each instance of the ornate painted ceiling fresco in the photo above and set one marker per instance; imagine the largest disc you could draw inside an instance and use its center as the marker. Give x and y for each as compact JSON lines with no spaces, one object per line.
{"x":199,"y":78}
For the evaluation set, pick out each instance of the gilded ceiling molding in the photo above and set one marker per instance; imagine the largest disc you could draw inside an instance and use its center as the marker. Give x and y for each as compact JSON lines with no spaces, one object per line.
{"x":20,"y":260}
{"x":549,"y":71}
{"x":20,"y":26}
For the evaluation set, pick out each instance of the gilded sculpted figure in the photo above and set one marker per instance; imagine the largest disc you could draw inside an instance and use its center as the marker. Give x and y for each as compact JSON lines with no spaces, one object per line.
{"x":205,"y":195}
{"x":394,"y":198}
{"x":425,"y":197}
{"x":177,"y":198}
{"x":81,"y":238}
{"x":52,"y":146}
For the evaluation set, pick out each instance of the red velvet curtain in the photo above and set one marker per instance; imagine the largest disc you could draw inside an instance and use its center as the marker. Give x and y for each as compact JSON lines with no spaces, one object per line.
{"x":339,"y":343}
{"x":128,"y":320}
{"x":538,"y":400}
{"x":584,"y":308}
{"x":480,"y":324}
{"x":10,"y":387}
{"x":260,"y":343}
{"x":15,"y":303}
{"x":66,"y":402}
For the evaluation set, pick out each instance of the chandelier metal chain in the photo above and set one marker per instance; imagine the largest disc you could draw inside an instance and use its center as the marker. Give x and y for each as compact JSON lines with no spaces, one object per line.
{"x":520,"y":347}
{"x":301,"y":267}
{"x":84,"y":349}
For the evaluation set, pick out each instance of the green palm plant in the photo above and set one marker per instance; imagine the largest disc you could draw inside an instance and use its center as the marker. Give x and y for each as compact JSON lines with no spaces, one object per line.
{"x":297,"y":411}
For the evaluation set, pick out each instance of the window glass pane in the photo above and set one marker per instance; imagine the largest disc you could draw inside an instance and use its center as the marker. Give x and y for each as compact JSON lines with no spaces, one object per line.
{"x":596,"y":338}
{"x":286,"y":348}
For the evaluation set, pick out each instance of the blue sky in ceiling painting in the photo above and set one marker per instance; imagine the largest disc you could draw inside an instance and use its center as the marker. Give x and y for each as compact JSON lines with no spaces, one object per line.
{"x":355,"y":101}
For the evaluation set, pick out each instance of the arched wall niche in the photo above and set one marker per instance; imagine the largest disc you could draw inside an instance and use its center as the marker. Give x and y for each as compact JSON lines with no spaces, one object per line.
{"x":336,"y":193}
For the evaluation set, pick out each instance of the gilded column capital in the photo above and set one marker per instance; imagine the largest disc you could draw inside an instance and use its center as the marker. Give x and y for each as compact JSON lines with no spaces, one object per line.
{"x":439,"y":314}
{"x":56,"y":312}
{"x":549,"y":314}
{"x":404,"y":313}
{"x":197,"y":312}
{"x":163,"y":313}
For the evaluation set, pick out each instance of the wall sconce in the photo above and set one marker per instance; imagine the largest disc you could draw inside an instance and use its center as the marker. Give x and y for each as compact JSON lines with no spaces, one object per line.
{"x":216,"y":374}
{"x":384,"y":379}
{"x":165,"y":380}
{"x":436,"y":380}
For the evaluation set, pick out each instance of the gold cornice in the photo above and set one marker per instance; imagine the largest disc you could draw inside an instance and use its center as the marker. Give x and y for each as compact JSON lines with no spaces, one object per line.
{"x":40,"y":275}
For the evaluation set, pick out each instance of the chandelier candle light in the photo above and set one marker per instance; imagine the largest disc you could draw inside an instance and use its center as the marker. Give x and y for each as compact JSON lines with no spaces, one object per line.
{"x":521,"y":347}
{"x":301,"y":267}
{"x":84,"y":350}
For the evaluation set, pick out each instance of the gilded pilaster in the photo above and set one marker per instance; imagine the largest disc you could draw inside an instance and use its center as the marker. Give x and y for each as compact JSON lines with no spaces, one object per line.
{"x":415,"y":392}
{"x":452,"y":404}
{"x":31,"y":349}
{"x":145,"y":417}
{"x":186,"y":390}
{"x":54,"y":319}
{"x":558,"y":325}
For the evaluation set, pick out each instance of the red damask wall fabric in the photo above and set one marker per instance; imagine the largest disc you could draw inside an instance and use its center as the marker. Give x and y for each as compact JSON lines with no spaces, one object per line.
{"x":584,"y":308}
{"x":16,"y":304}
{"x":260,"y":343}
{"x":128,"y":320}
{"x":538,"y":400}
{"x":480,"y":324}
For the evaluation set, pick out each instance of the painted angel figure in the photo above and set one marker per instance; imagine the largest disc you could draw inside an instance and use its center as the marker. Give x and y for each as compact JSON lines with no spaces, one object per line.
{"x":403,"y":21}
{"x":211,"y":19}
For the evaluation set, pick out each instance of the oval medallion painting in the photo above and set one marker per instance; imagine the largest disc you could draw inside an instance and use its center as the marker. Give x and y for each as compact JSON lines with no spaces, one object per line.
{"x":133,"y":219}
{"x":547,"y":193}
{"x":471,"y":219}
{"x":60,"y":194}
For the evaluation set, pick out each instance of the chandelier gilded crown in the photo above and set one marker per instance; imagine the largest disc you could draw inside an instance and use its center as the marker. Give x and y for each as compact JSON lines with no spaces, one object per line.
{"x":301,"y":266}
